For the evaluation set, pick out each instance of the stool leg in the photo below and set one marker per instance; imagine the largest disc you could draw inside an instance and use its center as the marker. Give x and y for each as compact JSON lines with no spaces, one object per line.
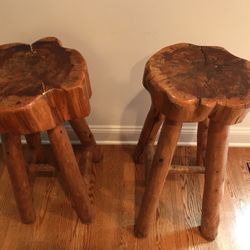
{"x":148,"y":134}
{"x":202,"y":142}
{"x":18,"y":176}
{"x":35,"y":147}
{"x":162,"y":159}
{"x":71,"y":174}
{"x":86,"y":137}
{"x":216,"y":159}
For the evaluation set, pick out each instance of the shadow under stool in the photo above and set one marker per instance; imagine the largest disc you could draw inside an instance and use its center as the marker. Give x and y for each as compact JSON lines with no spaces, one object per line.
{"x":41,"y":86}
{"x":190,"y":83}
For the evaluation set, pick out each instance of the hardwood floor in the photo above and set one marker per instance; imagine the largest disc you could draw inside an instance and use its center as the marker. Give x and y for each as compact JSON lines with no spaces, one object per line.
{"x":115,"y":189}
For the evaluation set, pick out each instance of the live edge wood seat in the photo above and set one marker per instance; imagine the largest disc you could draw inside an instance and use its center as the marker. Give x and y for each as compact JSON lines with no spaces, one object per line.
{"x":190,"y":83}
{"x":41,"y":86}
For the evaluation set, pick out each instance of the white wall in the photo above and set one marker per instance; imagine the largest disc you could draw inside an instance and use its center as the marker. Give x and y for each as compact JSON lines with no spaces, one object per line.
{"x":116,"y":38}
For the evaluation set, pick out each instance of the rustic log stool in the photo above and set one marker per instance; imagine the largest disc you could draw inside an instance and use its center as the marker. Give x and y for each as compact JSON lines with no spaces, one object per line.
{"x":190,"y":83}
{"x":41,"y":86}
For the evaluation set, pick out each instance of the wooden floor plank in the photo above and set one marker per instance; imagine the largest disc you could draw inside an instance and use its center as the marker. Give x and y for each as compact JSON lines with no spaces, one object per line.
{"x":115,"y":188}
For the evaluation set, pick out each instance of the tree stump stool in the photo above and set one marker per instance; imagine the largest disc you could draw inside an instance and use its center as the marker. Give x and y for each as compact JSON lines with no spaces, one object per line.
{"x":41,"y":86}
{"x":190,"y":83}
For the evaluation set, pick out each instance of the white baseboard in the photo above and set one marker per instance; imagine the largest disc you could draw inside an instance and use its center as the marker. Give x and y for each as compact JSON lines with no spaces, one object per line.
{"x":112,"y":134}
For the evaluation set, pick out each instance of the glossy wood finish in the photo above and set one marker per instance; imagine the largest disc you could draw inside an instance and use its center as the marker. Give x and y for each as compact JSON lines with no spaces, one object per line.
{"x":147,"y":159}
{"x":163,"y":156}
{"x":71,"y":174}
{"x":18,"y":176}
{"x":188,"y":83}
{"x":150,"y":128}
{"x":202,"y":142}
{"x":43,"y":85}
{"x":216,"y":161}
{"x":48,"y":85}
{"x":116,"y":188}
{"x":149,"y":153}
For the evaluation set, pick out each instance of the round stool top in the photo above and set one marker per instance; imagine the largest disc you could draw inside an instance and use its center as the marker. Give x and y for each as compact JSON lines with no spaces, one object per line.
{"x":41,"y":85}
{"x":189,"y":83}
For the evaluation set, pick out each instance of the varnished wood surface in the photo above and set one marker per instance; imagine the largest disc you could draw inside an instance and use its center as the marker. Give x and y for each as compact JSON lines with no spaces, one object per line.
{"x":189,"y":83}
{"x":70,"y":172}
{"x":165,"y":149}
{"x":215,"y":174}
{"x":41,"y":86}
{"x":16,"y":166}
{"x":115,"y":188}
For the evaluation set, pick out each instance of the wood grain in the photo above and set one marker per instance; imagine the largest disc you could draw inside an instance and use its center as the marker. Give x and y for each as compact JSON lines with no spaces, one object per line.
{"x":70,"y":171}
{"x":189,"y":83}
{"x":174,"y":169}
{"x":216,"y":161}
{"x":41,"y":86}
{"x":160,"y":166}
{"x":116,"y":187}
{"x":19,"y":178}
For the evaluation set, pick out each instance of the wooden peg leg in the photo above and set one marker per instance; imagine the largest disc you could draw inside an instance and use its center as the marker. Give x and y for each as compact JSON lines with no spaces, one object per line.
{"x":162,"y":159}
{"x":149,"y":131}
{"x":36,"y":148}
{"x":86,"y":137}
{"x":65,"y":157}
{"x":18,"y":176}
{"x":202,"y":142}
{"x":216,"y":159}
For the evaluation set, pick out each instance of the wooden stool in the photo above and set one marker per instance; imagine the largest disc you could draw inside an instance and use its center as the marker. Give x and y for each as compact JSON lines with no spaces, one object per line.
{"x":41,"y":86}
{"x":190,"y":83}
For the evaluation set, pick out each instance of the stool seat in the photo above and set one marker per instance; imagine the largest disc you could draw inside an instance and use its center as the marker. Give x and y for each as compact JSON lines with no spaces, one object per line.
{"x":41,"y":86}
{"x":189,"y":83}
